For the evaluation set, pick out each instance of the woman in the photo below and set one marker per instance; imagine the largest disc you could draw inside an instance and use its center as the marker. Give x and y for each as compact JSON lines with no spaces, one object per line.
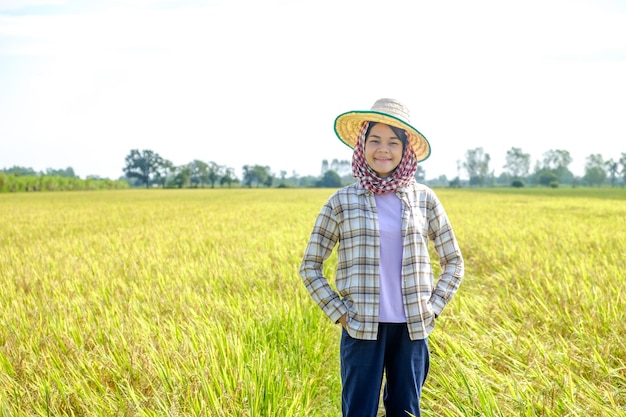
{"x":386,"y":298}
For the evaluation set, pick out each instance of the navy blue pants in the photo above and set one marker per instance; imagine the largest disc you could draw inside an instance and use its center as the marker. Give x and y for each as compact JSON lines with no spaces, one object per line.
{"x":403,"y":361}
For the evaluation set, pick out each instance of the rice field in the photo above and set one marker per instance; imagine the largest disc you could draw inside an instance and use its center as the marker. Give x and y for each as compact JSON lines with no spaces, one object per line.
{"x":189,"y":303}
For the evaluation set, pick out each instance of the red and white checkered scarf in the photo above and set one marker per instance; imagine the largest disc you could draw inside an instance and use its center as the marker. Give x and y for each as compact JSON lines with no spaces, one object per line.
{"x":400,"y":177}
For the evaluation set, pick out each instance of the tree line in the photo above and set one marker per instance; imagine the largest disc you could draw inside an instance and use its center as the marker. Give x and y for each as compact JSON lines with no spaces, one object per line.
{"x":147,"y":168}
{"x":551,"y":171}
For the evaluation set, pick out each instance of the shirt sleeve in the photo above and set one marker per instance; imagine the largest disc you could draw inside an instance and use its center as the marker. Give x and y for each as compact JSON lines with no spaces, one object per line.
{"x":450,"y":257}
{"x":322,"y":241}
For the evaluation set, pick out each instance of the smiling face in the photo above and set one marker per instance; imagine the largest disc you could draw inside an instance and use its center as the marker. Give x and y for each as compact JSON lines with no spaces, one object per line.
{"x":383,"y":149}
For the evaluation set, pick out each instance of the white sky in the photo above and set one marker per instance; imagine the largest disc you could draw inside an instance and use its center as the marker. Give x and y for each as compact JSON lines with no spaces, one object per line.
{"x":242,"y":82}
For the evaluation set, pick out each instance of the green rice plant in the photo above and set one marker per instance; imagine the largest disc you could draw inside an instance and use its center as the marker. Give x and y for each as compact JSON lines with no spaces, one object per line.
{"x":189,"y":303}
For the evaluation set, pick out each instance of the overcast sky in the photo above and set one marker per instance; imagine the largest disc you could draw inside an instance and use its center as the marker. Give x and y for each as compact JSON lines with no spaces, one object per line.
{"x":242,"y":82}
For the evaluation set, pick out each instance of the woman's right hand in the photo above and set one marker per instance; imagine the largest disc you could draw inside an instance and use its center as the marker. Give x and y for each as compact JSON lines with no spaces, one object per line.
{"x":343,"y":321}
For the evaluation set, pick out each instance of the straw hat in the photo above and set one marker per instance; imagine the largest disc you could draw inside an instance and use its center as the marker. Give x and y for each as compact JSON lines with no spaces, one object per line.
{"x":387,"y":111}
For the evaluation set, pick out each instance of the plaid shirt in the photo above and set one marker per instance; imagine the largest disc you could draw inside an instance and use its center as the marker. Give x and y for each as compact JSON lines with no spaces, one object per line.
{"x":349,"y":218}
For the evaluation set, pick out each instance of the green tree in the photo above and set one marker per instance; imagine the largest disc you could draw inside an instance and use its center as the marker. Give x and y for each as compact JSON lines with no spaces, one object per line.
{"x":256,"y":175}
{"x":182,"y":178}
{"x":16,"y":170}
{"x":214,"y":172}
{"x":341,"y":167}
{"x":613,"y":170}
{"x":228,"y":178}
{"x":546,"y":177}
{"x":595,"y":170}
{"x":143,"y":166}
{"x":269,"y":179}
{"x":622,"y":162}
{"x":165,"y":172}
{"x":556,"y":158}
{"x":330,"y":179}
{"x":477,"y":166}
{"x":420,"y":174}
{"x":199,"y":173}
{"x":64,"y":173}
{"x":517,"y":163}
{"x":247,"y":175}
{"x":558,"y":161}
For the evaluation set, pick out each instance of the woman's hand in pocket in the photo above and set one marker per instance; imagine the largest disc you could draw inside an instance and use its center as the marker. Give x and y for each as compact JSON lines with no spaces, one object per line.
{"x":343,"y":320}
